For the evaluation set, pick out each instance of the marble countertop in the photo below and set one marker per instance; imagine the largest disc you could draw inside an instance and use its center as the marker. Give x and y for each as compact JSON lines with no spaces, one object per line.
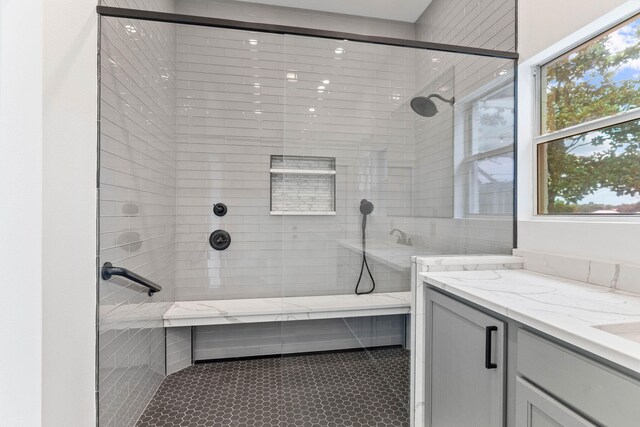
{"x":468,"y":262}
{"x":565,"y":309}
{"x":254,"y":310}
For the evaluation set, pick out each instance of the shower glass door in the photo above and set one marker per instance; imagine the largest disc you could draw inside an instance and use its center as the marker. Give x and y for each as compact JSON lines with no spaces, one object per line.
{"x":348,"y":141}
{"x":288,"y":178}
{"x":390,"y":152}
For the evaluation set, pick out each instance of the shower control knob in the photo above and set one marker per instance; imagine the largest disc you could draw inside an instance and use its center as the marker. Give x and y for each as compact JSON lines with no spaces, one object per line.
{"x":219,"y":240}
{"x":220,"y":209}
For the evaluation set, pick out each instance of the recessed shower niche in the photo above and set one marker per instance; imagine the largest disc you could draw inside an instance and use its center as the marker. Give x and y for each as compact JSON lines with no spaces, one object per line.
{"x":302,"y":185}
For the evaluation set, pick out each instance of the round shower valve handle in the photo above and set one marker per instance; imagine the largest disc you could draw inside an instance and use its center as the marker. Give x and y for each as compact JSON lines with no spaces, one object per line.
{"x":220,"y":240}
{"x":220,"y":209}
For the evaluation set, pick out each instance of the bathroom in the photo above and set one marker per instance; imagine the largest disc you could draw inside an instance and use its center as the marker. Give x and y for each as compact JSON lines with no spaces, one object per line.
{"x":290,"y":213}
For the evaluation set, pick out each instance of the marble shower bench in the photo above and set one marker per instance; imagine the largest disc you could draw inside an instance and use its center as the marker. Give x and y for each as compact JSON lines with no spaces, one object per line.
{"x":218,"y":329}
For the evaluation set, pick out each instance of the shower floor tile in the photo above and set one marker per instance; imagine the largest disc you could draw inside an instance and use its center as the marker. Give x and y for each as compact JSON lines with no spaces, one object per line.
{"x":353,"y":388}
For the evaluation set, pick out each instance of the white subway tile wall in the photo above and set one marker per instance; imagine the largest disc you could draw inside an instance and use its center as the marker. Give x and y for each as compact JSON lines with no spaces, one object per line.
{"x":243,"y":97}
{"x":178,"y":349}
{"x":254,"y":12}
{"x":168,"y":6}
{"x":251,"y":339}
{"x":342,"y":105}
{"x":441,"y":185}
{"x":191,"y":116}
{"x":489,"y":24}
{"x":137,"y":208}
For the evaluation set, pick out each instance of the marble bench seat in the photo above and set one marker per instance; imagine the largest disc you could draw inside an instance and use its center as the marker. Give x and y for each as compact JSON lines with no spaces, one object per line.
{"x":258,"y":310}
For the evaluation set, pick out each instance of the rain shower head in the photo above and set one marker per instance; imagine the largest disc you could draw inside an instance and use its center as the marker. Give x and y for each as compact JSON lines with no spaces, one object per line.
{"x":425,"y":107}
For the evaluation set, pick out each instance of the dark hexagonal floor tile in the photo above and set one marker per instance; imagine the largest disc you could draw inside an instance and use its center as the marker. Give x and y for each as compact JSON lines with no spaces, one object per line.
{"x":352,"y":388}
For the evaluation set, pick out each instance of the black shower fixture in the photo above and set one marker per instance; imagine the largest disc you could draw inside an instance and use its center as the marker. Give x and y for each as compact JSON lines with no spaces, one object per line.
{"x":220,"y":209}
{"x":366,"y":208}
{"x":425,"y":107}
{"x":219,"y":240}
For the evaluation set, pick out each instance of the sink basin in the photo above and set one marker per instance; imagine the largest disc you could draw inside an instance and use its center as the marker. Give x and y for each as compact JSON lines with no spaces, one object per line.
{"x":629,"y":331}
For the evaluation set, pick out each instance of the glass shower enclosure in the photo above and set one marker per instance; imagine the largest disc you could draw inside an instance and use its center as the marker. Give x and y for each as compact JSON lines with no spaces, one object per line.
{"x":315,"y":148}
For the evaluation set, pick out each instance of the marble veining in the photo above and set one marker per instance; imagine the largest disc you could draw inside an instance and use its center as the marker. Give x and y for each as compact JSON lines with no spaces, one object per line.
{"x":468,"y":262}
{"x":216,"y":312}
{"x":596,"y":272}
{"x":441,"y":263}
{"x":569,"y":310}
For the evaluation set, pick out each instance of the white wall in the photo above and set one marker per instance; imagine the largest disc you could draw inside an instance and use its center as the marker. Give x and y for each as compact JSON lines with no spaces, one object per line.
{"x":47,"y":135}
{"x":20,"y":211}
{"x":544,"y":22}
{"x":540,"y":39}
{"x":69,"y":212}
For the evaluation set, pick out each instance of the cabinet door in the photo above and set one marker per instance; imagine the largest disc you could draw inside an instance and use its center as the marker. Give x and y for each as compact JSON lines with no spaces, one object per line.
{"x":464,"y":366}
{"x":534,"y":408}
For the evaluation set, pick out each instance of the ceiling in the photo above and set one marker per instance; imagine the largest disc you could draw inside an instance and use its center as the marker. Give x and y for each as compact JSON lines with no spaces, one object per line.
{"x":404,"y":10}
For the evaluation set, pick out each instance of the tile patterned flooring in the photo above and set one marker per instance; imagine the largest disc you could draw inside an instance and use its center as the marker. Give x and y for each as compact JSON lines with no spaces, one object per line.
{"x":353,"y":388}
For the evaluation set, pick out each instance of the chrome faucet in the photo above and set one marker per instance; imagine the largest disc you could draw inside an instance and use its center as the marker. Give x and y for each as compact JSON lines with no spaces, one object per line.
{"x":402,"y":237}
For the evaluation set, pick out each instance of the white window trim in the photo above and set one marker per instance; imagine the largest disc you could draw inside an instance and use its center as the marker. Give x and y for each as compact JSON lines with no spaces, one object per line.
{"x":461,"y":157}
{"x":529,"y":118}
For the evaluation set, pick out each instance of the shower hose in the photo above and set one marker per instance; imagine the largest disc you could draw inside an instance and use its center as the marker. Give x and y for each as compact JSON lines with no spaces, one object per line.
{"x":364,"y":260}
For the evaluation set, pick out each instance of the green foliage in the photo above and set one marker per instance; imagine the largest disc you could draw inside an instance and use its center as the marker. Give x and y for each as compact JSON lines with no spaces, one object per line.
{"x":583,"y":86}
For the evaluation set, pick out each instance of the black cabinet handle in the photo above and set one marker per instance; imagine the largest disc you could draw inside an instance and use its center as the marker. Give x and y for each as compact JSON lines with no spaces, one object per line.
{"x":488,"y":346}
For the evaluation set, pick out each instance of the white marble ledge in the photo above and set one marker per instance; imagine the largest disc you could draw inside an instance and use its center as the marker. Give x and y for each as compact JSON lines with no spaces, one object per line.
{"x":258,"y":310}
{"x":563,"y":308}
{"x":385,"y":252}
{"x":469,"y":262}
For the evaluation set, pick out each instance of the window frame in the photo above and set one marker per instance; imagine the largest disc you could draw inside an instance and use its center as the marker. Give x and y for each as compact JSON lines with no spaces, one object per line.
{"x":540,"y":138}
{"x":464,"y":157}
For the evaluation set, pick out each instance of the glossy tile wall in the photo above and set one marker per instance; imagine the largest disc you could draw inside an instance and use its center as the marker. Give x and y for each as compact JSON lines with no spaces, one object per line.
{"x":242,"y":340}
{"x":447,"y":215}
{"x":489,"y":24}
{"x":255,"y":12}
{"x":459,"y":204}
{"x":191,"y":116}
{"x":137,"y":209}
{"x":244,"y":97}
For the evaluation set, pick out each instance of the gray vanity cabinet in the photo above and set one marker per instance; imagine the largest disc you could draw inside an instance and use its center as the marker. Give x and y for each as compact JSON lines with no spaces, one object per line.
{"x":465,"y":368}
{"x":546,"y":382}
{"x":535,"y":408}
{"x":598,"y":392}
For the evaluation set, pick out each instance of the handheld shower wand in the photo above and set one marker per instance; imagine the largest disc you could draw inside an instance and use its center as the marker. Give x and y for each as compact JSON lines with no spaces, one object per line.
{"x":366,"y":207}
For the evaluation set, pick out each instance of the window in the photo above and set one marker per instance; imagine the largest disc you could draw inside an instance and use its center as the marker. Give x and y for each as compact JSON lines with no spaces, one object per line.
{"x":488,"y":161}
{"x":588,"y":148}
{"x":302,"y":185}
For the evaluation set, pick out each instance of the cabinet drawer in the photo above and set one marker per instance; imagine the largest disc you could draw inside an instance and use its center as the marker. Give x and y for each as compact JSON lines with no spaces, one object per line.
{"x":534,"y":408}
{"x":599,"y":392}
